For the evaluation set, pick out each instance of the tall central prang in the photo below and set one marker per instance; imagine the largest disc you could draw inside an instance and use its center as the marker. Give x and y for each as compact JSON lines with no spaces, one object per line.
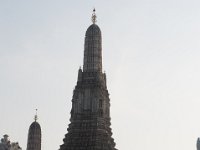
{"x":89,"y":127}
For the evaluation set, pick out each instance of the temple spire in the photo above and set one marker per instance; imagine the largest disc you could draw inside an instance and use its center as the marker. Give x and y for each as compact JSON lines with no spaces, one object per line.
{"x":89,"y":127}
{"x":94,"y":17}
{"x":34,"y":135}
{"x":93,"y":48}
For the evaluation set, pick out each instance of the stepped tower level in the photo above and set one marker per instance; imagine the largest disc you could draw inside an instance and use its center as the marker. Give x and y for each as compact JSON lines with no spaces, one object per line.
{"x":90,"y":114}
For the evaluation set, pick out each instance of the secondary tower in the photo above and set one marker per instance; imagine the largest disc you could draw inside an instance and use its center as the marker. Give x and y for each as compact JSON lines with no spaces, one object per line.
{"x":34,"y":135}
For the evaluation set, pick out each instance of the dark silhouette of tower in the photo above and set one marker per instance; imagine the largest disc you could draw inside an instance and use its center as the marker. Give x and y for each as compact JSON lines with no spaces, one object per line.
{"x":34,"y":135}
{"x":198,"y":144}
{"x":90,"y":114}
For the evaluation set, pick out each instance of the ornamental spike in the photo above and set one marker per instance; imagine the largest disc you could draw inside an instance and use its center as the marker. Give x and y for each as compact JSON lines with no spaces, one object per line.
{"x":36,"y":116}
{"x":94,"y":17}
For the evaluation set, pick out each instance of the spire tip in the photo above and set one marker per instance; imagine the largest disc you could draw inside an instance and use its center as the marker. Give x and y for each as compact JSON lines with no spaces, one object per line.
{"x":35,"y":117}
{"x":94,"y":17}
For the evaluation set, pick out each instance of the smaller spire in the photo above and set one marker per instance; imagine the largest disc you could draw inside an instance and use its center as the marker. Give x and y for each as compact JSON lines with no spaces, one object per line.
{"x":35,"y":117}
{"x":94,"y":17}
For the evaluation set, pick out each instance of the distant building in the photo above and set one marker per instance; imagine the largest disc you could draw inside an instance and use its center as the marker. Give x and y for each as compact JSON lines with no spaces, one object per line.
{"x":15,"y":146}
{"x":34,"y":136}
{"x":7,"y":145}
{"x":198,"y":144}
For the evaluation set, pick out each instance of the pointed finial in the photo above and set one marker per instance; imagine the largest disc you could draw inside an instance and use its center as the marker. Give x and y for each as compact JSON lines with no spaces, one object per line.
{"x":94,"y":17}
{"x":36,"y":117}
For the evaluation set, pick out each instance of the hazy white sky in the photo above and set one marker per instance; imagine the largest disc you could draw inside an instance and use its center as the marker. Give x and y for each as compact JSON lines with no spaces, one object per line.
{"x":151,"y":51}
